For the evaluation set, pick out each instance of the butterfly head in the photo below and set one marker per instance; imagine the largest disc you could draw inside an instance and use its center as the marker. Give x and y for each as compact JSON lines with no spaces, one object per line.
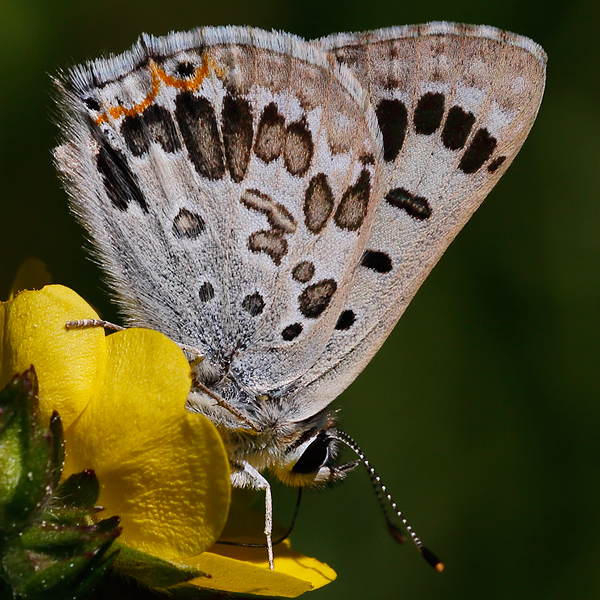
{"x":312,"y":459}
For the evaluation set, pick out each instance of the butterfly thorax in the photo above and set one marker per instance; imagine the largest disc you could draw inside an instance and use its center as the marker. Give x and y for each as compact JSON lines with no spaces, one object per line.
{"x":259,"y":430}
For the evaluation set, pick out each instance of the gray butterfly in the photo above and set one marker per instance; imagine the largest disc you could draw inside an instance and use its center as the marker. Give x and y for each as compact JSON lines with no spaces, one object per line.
{"x":273,"y":204}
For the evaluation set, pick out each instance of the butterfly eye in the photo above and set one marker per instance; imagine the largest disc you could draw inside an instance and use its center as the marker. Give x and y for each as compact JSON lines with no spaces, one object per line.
{"x":313,"y":457}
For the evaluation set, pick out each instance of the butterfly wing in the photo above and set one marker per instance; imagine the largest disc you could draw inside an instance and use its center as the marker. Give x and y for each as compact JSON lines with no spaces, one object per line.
{"x":246,"y":199}
{"x":227,"y":177}
{"x":454,"y":104}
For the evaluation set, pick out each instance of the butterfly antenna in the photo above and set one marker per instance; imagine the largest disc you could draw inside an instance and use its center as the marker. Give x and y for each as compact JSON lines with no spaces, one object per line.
{"x":391,"y":526}
{"x":277,"y":541}
{"x":381,"y":492}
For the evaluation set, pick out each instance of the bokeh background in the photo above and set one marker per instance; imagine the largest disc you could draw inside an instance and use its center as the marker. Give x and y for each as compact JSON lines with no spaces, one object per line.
{"x":482,"y":410}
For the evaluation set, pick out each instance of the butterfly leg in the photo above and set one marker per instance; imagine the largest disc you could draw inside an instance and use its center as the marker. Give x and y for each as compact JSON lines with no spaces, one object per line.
{"x":250,"y":477}
{"x":88,"y":323}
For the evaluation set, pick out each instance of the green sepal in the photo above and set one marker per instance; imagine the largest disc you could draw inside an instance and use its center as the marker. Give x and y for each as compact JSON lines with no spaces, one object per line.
{"x":27,"y":453}
{"x":152,"y":571}
{"x":50,"y":548}
{"x":76,"y":498}
{"x":191,"y":592}
{"x":69,"y":516}
{"x":120,"y":587}
{"x":70,"y":577}
{"x":69,"y":540}
{"x":80,"y":490}
{"x":57,"y":449}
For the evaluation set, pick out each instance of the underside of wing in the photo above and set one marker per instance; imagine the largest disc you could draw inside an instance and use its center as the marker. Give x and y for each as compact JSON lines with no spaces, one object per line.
{"x":227,"y":177}
{"x":454,"y":104}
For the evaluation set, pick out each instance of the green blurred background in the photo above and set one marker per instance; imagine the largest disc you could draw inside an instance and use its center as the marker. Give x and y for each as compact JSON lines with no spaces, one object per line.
{"x":482,"y":410}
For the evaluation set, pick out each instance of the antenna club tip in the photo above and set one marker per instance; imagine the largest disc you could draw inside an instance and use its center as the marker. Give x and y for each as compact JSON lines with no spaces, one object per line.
{"x":432,"y":559}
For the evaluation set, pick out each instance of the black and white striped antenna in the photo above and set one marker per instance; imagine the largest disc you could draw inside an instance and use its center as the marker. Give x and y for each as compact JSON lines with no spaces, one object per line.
{"x":381,"y":492}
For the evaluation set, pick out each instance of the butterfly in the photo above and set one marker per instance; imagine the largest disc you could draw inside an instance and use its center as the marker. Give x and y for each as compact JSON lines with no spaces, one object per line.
{"x":273,"y":204}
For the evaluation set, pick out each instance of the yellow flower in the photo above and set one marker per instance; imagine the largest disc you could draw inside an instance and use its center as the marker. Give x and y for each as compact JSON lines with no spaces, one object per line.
{"x":121,"y":398}
{"x":163,"y":470}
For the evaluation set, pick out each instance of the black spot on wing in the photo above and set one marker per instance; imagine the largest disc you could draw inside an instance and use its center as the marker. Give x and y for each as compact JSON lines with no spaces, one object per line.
{"x":345,"y":320}
{"x":298,"y":149}
{"x":237,"y":135}
{"x":206,"y":292}
{"x":270,"y":135}
{"x":393,"y":119}
{"x":479,"y":150}
{"x":376,"y":261}
{"x":291,"y":332}
{"x":318,"y":203}
{"x":120,"y":182}
{"x":198,"y":125}
{"x":92,"y":103}
{"x":253,"y":304}
{"x":135,"y":135}
{"x":161,"y":128}
{"x":457,"y":128}
{"x":185,"y":69}
{"x":352,"y":209}
{"x":303,"y":272}
{"x":188,"y":224}
{"x":316,"y":298}
{"x":429,"y":113}
{"x":416,"y":206}
{"x":496,"y":164}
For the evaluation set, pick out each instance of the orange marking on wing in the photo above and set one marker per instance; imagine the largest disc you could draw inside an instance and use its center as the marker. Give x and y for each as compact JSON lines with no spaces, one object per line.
{"x":158,"y":75}
{"x":187,"y":84}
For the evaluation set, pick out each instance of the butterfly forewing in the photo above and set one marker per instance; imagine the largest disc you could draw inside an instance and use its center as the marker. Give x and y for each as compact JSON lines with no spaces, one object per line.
{"x":229,"y":180}
{"x":454,"y":104}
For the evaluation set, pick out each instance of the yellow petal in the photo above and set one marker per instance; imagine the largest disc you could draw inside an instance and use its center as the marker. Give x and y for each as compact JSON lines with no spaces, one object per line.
{"x":69,"y":364}
{"x":32,"y":275}
{"x":163,"y":470}
{"x":246,"y":570}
